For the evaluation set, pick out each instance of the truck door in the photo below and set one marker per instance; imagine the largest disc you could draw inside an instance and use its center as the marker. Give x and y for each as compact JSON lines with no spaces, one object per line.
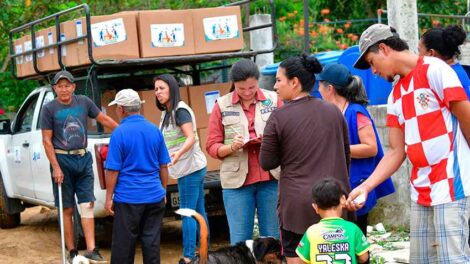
{"x":18,"y":154}
{"x":40,"y":163}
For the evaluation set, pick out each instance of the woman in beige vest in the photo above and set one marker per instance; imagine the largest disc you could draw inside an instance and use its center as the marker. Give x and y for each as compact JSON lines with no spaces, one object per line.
{"x":234,"y":136}
{"x":188,"y":163}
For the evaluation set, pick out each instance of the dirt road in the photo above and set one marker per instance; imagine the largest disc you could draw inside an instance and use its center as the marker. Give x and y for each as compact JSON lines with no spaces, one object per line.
{"x":37,"y":240}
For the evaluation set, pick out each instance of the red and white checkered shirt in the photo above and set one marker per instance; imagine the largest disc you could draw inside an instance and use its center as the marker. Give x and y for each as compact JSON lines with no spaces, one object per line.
{"x":420,"y":105}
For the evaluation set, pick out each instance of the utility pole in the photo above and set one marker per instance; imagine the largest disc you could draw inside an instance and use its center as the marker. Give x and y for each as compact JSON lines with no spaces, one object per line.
{"x":306,"y":30}
{"x":403,"y":16}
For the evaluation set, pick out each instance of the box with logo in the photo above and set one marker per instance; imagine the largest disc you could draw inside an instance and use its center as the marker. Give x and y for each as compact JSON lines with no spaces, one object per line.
{"x":212,"y":164}
{"x":217,"y":29}
{"x":165,"y":33}
{"x":114,"y":37}
{"x":202,"y":99}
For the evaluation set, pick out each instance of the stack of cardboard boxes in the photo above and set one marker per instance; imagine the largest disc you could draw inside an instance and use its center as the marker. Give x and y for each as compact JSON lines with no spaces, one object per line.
{"x":200,"y":98}
{"x":137,"y":34}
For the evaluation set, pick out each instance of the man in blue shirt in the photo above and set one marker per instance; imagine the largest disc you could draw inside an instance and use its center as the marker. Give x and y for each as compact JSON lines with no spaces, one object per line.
{"x":136,"y":179}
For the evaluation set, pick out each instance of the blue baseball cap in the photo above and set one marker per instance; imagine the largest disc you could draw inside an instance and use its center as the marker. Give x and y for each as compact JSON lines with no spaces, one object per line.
{"x":335,"y":73}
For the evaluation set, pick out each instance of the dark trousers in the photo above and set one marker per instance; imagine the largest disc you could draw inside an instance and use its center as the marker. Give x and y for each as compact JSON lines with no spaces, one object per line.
{"x":361,"y":222}
{"x":133,"y":221}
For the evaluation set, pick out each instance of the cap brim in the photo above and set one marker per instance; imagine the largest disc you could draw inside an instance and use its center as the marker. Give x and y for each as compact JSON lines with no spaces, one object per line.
{"x":64,"y":77}
{"x":361,"y":63}
{"x":112,"y":103}
{"x":318,"y":77}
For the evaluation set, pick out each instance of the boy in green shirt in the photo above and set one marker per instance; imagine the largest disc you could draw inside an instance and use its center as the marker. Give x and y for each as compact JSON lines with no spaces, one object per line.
{"x":333,"y":239}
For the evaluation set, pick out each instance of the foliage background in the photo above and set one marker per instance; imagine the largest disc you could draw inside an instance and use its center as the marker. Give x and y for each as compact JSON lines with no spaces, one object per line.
{"x":334,"y":24}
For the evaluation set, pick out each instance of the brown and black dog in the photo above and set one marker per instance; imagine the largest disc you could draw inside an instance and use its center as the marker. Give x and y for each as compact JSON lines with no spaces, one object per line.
{"x":264,"y":250}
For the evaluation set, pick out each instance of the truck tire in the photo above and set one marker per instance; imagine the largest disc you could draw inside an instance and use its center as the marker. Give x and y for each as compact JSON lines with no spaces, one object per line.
{"x":7,"y":220}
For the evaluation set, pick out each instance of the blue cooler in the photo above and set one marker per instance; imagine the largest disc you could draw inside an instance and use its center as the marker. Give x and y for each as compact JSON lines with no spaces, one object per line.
{"x":377,"y":88}
{"x":323,"y":57}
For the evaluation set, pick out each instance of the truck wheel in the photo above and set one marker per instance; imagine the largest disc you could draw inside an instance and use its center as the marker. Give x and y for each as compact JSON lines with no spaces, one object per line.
{"x":7,"y":220}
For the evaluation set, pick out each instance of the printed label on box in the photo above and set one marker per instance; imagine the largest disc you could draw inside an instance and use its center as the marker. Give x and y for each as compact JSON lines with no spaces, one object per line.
{"x":211,"y":97}
{"x":167,"y":35}
{"x":63,"y":47}
{"x":50,"y":40}
{"x":28,"y":45}
{"x":224,"y":27}
{"x":40,"y":44}
{"x":18,"y":50}
{"x":78,"y":26}
{"x":108,"y":32}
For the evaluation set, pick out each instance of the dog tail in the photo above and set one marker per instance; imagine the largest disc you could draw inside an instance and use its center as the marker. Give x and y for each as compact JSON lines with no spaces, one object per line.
{"x":203,"y":233}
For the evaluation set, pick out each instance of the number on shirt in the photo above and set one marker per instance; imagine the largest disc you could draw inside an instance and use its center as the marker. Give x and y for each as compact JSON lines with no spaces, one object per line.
{"x":329,"y":260}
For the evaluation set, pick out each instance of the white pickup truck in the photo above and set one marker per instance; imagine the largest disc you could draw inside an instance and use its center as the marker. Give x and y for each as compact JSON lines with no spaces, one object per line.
{"x":25,"y":177}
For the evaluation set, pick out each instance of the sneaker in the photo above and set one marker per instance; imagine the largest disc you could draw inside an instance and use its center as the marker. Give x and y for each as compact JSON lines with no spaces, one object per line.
{"x":95,"y":256}
{"x":72,"y":254}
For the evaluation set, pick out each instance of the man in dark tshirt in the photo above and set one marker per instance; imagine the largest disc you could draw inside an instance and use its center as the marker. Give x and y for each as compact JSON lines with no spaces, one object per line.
{"x":63,"y":123}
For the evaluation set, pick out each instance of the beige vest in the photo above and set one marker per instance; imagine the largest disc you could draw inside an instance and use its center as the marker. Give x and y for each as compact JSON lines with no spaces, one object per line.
{"x":191,"y":161}
{"x":234,"y":167}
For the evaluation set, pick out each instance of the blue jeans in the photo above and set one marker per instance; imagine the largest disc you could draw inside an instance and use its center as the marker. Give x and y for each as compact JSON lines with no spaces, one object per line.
{"x":191,"y":192}
{"x":240,"y":205}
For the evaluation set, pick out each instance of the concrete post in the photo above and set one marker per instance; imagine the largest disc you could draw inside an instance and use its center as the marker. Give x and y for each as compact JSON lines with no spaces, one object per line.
{"x":403,"y":16}
{"x":262,"y":39}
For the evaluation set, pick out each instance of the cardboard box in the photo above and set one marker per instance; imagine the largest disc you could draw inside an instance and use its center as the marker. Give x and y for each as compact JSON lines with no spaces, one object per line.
{"x":19,"y":60}
{"x":184,"y":94}
{"x":212,"y":164}
{"x":47,"y":59}
{"x":107,"y":97}
{"x":114,"y":37}
{"x":149,"y":109}
{"x":217,"y":29}
{"x":27,"y":67}
{"x":202,"y":98}
{"x":165,"y":33}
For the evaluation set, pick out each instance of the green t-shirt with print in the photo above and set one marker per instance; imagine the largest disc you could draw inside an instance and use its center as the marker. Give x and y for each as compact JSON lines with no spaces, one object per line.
{"x":332,"y":240}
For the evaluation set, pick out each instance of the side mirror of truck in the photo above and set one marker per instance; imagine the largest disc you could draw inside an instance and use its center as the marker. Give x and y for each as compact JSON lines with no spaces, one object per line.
{"x":5,"y":126}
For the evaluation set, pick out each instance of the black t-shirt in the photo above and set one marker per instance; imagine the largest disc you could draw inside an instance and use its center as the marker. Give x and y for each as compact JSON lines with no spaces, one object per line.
{"x":68,"y":122}
{"x":182,"y":117}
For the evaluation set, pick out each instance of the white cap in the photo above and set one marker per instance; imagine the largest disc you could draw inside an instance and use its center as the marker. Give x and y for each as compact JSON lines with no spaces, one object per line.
{"x":127,"y":97}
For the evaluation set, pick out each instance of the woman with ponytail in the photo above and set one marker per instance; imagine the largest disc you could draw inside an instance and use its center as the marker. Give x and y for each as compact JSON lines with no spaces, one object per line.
{"x":308,"y":138}
{"x":188,"y":163}
{"x":444,"y":43}
{"x":346,"y":91}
